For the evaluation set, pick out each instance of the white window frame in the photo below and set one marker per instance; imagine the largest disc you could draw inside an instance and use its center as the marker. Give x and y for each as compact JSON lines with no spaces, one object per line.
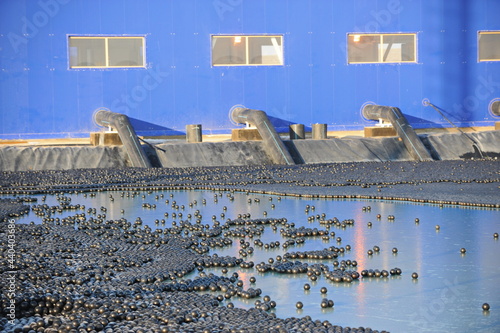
{"x":479,"y":48}
{"x":280,"y":54}
{"x":106,"y":51}
{"x":381,"y":50}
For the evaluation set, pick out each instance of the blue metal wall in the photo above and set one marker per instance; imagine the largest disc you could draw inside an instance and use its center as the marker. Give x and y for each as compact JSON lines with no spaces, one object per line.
{"x":41,"y":97}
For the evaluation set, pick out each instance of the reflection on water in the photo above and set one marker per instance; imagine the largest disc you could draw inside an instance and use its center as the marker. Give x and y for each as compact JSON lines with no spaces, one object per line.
{"x":447,"y":296}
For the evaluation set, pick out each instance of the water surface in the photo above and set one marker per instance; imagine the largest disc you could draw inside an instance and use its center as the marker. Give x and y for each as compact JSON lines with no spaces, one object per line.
{"x":447,"y":296}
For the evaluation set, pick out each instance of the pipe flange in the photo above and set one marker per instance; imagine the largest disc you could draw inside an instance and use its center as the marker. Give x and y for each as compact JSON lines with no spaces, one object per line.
{"x":494,"y":107}
{"x":231,"y":112}
{"x":361,"y":111}
{"x":95,"y":113}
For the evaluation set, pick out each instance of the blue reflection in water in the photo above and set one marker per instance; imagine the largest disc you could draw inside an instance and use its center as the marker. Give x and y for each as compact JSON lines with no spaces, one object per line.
{"x":446,"y":297}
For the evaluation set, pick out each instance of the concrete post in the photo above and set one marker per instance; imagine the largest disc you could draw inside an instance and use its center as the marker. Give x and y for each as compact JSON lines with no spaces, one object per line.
{"x":297,"y":132}
{"x":319,"y":131}
{"x":193,"y":133}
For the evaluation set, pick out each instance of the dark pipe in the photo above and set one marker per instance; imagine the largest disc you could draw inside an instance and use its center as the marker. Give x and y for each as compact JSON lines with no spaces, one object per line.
{"x":127,"y":134}
{"x":272,"y":141}
{"x":403,"y":128}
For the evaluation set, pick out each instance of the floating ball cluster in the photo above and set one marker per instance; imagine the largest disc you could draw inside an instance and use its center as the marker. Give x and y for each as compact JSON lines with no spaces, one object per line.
{"x":85,"y":272}
{"x":302,"y":232}
{"x":369,"y":273}
{"x":363,"y":180}
{"x":329,"y":253}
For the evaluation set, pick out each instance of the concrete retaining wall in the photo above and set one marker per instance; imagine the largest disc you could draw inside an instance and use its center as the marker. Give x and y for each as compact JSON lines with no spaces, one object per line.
{"x":212,"y":154}
{"x":61,"y":158}
{"x":181,"y":154}
{"x":457,"y":145}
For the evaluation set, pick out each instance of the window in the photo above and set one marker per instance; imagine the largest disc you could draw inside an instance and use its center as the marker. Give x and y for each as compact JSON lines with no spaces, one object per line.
{"x":381,"y":48}
{"x":489,"y":45}
{"x":247,"y":50}
{"x":106,"y":52}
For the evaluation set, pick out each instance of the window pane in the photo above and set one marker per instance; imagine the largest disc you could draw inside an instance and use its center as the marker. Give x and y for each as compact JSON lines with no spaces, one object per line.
{"x":378,"y":48}
{"x":228,"y":50}
{"x":125,"y":52}
{"x":87,"y":52}
{"x":265,"y":50}
{"x":398,"y":48}
{"x":489,"y":46}
{"x":363,"y":48}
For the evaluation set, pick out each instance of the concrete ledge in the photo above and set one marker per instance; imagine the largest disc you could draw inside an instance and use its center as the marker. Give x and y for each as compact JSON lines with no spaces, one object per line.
{"x":245,"y":134}
{"x":371,"y":132}
{"x":497,"y":126}
{"x":12,"y":142}
{"x":105,"y":139}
